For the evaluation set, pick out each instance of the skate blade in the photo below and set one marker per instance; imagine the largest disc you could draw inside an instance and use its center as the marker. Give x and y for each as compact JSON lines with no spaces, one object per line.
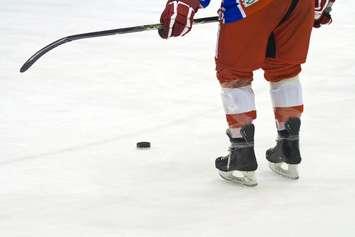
{"x":246,"y":178}
{"x":284,"y":169}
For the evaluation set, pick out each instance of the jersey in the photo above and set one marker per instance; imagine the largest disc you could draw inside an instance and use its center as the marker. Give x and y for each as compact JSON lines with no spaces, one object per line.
{"x":235,"y":10}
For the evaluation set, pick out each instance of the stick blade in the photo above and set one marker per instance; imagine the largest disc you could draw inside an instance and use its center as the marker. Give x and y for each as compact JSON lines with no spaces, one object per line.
{"x":25,"y":67}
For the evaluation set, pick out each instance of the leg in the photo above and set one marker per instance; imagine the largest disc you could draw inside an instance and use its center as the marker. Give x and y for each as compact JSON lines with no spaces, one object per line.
{"x":239,"y":104}
{"x":288,"y":107}
{"x":289,"y":46}
{"x":240,"y":51}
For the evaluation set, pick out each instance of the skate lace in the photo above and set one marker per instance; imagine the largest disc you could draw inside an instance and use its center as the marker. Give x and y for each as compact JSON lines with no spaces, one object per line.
{"x":289,"y":138}
{"x":236,"y":146}
{"x":225,"y":157}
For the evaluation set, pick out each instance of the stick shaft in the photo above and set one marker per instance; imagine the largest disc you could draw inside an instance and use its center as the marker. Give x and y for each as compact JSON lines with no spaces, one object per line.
{"x":126,"y":30}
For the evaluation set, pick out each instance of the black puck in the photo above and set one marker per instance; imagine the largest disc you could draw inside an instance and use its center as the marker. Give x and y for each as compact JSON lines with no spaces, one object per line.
{"x":143,"y":144}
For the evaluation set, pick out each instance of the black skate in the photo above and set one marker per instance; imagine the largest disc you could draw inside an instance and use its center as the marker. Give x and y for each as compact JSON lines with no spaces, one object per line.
{"x":285,"y":156}
{"x":239,"y":165}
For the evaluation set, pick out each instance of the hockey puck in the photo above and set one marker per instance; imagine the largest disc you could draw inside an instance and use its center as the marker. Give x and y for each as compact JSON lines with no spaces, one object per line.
{"x":143,"y":144}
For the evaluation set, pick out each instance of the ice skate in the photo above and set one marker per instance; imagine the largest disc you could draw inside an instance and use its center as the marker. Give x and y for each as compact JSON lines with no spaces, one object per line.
{"x":285,"y":156}
{"x":239,"y":165}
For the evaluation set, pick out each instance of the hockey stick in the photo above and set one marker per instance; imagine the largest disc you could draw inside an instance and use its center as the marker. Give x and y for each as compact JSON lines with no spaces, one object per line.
{"x":127,"y":30}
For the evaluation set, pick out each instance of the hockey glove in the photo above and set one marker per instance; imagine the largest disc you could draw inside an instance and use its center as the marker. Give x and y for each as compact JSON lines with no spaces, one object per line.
{"x":322,"y":12}
{"x":177,"y":17}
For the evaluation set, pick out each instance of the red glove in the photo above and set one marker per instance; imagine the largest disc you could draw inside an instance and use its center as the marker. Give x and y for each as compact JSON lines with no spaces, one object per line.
{"x":322,"y":12}
{"x":177,"y":17}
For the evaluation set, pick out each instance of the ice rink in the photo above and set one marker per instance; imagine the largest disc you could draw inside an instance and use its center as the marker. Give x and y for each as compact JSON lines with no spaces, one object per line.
{"x":69,"y":165}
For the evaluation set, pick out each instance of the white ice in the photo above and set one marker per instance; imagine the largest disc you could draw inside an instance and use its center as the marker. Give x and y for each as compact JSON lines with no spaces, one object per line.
{"x":68,"y":129}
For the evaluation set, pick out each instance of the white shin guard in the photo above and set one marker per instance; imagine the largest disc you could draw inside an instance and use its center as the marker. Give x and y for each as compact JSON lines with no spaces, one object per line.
{"x":286,"y":93}
{"x":238,"y":100}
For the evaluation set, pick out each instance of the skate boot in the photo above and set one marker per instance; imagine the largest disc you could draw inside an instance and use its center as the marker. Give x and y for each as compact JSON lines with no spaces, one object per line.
{"x":285,"y":156}
{"x":239,"y":165}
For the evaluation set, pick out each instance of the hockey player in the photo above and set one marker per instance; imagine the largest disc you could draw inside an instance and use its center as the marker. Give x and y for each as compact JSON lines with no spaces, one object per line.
{"x":269,"y":34}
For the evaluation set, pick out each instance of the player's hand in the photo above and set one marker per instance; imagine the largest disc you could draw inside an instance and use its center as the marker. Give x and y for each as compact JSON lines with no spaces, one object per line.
{"x":177,"y":17}
{"x":322,"y":12}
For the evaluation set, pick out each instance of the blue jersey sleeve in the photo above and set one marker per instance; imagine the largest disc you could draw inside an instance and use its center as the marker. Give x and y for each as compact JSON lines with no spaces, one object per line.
{"x":204,"y":3}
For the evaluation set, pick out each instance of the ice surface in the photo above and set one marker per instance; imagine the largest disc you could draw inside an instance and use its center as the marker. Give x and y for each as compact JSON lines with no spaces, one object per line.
{"x":68,"y":129}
